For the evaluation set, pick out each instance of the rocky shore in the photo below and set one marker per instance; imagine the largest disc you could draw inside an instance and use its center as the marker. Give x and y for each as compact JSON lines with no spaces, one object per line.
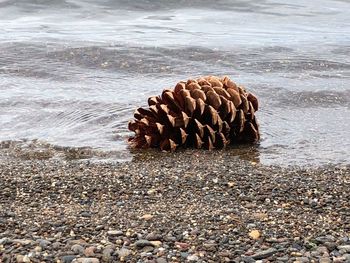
{"x":191,"y":206}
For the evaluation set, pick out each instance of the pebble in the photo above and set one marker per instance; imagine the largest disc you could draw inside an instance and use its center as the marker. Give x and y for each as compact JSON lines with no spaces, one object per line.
{"x":143,"y":243}
{"x":156,"y":243}
{"x":345,"y":248}
{"x":19,"y":258}
{"x":68,"y":258}
{"x":77,"y":249}
{"x":90,"y":251}
{"x":22,"y":242}
{"x":264,"y":254}
{"x":325,"y":260}
{"x":282,"y":259}
{"x":38,"y":249}
{"x":324,"y":239}
{"x":115,"y":233}
{"x":182,"y":246}
{"x":123,"y":252}
{"x":56,"y":245}
{"x":153,"y":237}
{"x":161,"y":260}
{"x":43,"y":243}
{"x":248,"y":260}
{"x":192,"y":258}
{"x":85,"y":214}
{"x":5,"y":240}
{"x":107,"y":254}
{"x":87,"y":260}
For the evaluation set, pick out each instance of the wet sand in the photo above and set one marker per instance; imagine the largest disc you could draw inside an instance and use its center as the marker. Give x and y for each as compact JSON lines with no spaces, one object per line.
{"x":187,"y":206}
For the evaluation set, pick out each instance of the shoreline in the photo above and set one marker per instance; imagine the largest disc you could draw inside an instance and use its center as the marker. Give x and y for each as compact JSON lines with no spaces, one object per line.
{"x":187,"y":206}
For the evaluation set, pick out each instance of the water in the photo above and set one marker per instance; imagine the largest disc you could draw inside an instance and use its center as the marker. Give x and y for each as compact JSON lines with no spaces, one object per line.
{"x":72,"y":72}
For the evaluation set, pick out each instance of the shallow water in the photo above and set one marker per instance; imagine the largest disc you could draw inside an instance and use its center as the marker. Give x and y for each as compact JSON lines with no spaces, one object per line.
{"x":72,"y":72}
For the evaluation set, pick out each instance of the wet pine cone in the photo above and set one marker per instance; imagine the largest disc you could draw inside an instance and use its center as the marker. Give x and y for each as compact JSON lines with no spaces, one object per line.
{"x":208,"y":112}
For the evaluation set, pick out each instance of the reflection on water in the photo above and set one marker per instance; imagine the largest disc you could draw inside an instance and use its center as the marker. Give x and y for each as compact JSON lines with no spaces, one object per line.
{"x":72,"y":72}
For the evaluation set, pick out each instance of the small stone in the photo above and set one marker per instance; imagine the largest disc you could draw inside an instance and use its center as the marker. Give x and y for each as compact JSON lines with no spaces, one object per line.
{"x":192,"y":258}
{"x":210,"y":246}
{"x":322,"y":250}
{"x":248,"y":260}
{"x":107,"y":254}
{"x":123,"y":252}
{"x":147,"y":249}
{"x":56,"y":245}
{"x":142,"y":243}
{"x":22,"y":242}
{"x":345,"y":248}
{"x":88,"y":260}
{"x":282,"y":259}
{"x":26,"y":259}
{"x":339,"y":259}
{"x":146,"y":217}
{"x":43,"y":243}
{"x":90,"y":251}
{"x":231,"y":184}
{"x":77,"y":249}
{"x":170,"y":238}
{"x":330,"y":245}
{"x":324,"y":239}
{"x":67,"y":258}
{"x":182,"y":246}
{"x":85,"y":214}
{"x":302,"y":259}
{"x":153,"y":237}
{"x":38,"y":249}
{"x":264,"y":253}
{"x":5,"y":241}
{"x":156,"y":243}
{"x":19,"y":258}
{"x":115,"y":233}
{"x":161,"y":260}
{"x":325,"y":260}
{"x":254,"y":234}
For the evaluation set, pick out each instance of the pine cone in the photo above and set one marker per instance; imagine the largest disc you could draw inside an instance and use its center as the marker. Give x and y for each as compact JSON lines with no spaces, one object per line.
{"x":208,"y":112}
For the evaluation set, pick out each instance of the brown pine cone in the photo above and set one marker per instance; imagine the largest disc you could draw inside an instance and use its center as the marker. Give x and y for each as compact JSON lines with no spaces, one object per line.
{"x":208,"y":112}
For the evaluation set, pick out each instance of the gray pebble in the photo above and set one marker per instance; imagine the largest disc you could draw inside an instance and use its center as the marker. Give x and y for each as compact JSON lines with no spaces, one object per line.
{"x":264,"y":254}
{"x":161,"y":260}
{"x":77,"y":249}
{"x":324,"y":239}
{"x":282,"y":259}
{"x":56,"y":245}
{"x":142,"y":243}
{"x":123,"y":252}
{"x":43,"y":243}
{"x":67,"y":259}
{"x":85,"y":214}
{"x":5,"y":241}
{"x":248,"y":260}
{"x":345,"y":248}
{"x":107,"y":254}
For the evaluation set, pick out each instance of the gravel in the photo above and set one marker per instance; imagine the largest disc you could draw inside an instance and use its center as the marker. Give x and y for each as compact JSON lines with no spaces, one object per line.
{"x":189,"y":206}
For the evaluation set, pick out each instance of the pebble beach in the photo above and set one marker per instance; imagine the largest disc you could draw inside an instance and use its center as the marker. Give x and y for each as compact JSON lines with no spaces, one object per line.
{"x":188,"y":206}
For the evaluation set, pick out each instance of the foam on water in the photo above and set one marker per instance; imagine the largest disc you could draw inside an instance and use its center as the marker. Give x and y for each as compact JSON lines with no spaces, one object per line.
{"x":72,"y":72}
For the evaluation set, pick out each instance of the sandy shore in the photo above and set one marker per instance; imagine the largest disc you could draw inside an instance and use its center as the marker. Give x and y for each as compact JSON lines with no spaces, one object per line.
{"x":191,"y":206}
